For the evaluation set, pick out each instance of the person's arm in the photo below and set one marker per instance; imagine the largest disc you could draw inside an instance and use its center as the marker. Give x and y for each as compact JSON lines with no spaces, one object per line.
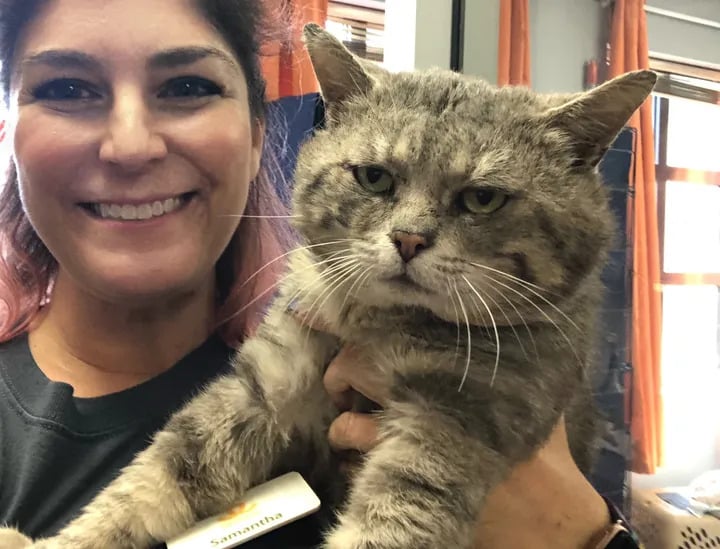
{"x":545,"y":503}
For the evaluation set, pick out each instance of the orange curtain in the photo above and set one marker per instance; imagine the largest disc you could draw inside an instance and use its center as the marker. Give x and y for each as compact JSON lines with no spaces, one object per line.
{"x":514,"y":43}
{"x":288,"y":71}
{"x":629,"y":51}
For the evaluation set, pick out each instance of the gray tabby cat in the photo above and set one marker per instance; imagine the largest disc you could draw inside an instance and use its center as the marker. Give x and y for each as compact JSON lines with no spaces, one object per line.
{"x":455,"y":233}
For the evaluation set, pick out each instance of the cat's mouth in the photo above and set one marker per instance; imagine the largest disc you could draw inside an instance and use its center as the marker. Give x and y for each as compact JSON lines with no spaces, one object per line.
{"x":404,"y":280}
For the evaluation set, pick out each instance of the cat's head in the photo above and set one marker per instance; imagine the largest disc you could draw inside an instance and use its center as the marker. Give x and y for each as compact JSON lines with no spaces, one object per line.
{"x":437,"y":190}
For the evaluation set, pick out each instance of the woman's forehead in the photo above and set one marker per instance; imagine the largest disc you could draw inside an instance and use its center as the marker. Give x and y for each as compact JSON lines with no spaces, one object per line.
{"x":130,"y":28}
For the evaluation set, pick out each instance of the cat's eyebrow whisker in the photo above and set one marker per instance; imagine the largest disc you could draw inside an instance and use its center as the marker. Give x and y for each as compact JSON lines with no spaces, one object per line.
{"x":497,"y":334}
{"x":547,"y":317}
{"x":529,"y":287}
{"x":469,"y":338}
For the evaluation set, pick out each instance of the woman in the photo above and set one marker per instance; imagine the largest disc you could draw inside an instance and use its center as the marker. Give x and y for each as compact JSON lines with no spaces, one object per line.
{"x":137,"y":133}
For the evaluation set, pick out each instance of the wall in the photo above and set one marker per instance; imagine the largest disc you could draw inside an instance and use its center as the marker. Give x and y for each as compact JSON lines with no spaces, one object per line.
{"x":566,"y":33}
{"x":563,"y":35}
{"x":417,"y":34}
{"x":682,"y":38}
{"x":481,"y":38}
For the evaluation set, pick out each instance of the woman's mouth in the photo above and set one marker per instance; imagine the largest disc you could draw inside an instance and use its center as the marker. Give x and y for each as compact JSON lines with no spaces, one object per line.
{"x":138,"y":212}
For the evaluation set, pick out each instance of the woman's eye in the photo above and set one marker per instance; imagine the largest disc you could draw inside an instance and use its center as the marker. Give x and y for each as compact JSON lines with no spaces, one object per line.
{"x":65,"y":89}
{"x":189,"y":88}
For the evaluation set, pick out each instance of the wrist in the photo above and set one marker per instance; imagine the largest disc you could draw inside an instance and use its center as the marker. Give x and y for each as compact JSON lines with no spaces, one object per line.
{"x":617,"y":534}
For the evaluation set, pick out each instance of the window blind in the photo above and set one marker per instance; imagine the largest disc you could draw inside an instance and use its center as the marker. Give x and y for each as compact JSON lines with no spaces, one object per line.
{"x":360,"y":25}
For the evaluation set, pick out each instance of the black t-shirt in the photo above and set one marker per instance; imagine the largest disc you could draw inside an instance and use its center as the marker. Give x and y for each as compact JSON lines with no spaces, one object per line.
{"x":57,"y":452}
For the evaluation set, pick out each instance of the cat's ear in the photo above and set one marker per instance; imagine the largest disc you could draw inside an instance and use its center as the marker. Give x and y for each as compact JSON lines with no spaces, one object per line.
{"x":340,"y":74}
{"x":594,"y":118}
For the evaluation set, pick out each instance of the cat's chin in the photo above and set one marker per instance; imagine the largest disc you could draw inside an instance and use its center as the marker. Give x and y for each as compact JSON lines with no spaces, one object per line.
{"x":403,"y":282}
{"x":410,"y":296}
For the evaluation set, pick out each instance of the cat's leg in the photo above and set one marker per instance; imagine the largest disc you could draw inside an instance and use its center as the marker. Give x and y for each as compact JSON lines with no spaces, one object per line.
{"x":224,"y":441}
{"x":424,"y":485}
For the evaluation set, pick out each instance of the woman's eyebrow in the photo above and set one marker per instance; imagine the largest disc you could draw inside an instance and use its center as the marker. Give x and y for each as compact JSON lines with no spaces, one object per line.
{"x":62,"y":59}
{"x":166,"y":59}
{"x":179,"y":57}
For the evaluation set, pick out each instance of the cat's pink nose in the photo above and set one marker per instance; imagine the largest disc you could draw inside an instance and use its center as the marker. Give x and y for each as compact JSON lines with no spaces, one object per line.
{"x":409,"y":244}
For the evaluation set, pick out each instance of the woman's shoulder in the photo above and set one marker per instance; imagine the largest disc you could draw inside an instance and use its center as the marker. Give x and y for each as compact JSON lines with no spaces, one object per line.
{"x":39,"y":400}
{"x":76,"y":446}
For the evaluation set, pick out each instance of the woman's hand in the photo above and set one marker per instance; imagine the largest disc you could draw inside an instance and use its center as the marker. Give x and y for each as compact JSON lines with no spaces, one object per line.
{"x":347,"y":376}
{"x":545,"y":503}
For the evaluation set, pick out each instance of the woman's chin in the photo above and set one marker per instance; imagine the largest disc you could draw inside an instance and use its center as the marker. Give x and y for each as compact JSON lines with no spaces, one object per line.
{"x":133,"y":288}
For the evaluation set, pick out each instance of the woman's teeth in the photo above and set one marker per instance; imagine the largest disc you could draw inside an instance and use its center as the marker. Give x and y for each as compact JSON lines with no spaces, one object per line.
{"x":137,"y":212}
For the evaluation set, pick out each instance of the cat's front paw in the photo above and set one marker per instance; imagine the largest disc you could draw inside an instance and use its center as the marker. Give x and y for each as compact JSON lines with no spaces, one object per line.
{"x":386,"y":534}
{"x":12,"y":539}
{"x":350,"y":536}
{"x":345,"y":537}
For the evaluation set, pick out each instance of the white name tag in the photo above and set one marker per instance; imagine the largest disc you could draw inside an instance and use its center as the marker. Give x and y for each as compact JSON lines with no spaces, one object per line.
{"x":264,"y":508}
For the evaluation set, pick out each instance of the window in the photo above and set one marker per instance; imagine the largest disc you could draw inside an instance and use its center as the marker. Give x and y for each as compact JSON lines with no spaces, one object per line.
{"x":687,"y":143}
{"x":360,"y":24}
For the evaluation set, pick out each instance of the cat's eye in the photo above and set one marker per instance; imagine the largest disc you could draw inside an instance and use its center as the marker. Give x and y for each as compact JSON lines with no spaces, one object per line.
{"x":374,"y":179}
{"x":482,"y":201}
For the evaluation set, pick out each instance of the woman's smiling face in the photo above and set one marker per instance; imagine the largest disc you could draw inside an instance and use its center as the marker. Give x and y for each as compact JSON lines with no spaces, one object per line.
{"x":133,"y":143}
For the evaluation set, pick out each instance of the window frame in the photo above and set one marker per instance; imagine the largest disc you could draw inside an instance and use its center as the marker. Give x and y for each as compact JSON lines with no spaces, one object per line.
{"x":665,"y":89}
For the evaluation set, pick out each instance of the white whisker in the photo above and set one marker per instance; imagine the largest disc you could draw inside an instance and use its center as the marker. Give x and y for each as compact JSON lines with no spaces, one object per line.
{"x":529,"y":287}
{"x":340,"y":262}
{"x":497,"y":334}
{"x":457,"y":322}
{"x":509,"y":323}
{"x":547,"y":317}
{"x":260,"y":216}
{"x":367,"y":273}
{"x":469,"y":339}
{"x":276,"y":283}
{"x":334,"y":280}
{"x":353,"y":285}
{"x":515,"y":278}
{"x":517,"y":312}
{"x":294,"y":250}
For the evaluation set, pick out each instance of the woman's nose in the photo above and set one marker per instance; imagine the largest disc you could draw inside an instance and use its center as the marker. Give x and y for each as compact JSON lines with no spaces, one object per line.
{"x":131,"y":140}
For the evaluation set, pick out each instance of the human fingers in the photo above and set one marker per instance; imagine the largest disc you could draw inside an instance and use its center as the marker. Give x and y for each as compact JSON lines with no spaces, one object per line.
{"x":353,"y":431}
